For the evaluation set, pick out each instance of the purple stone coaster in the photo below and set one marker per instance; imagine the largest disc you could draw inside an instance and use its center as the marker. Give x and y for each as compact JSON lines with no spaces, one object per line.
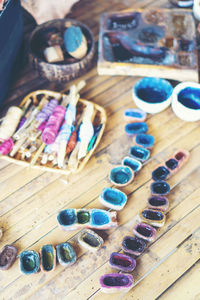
{"x":122,"y":262}
{"x":161,"y":173}
{"x":7,"y":257}
{"x":152,"y":217}
{"x":158,"y":202}
{"x":115,"y":282}
{"x":160,"y":188}
{"x":172,"y":165}
{"x":145,"y":232}
{"x":133,"y":245}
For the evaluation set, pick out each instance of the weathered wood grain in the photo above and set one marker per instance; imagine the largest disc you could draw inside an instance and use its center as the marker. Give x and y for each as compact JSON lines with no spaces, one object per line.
{"x":30,"y":199}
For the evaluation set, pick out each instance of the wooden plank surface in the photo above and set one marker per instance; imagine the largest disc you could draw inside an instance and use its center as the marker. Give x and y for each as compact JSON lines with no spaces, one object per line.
{"x":30,"y":199}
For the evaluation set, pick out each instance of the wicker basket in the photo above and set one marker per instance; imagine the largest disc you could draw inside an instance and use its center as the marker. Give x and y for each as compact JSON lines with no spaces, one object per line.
{"x":100,"y":118}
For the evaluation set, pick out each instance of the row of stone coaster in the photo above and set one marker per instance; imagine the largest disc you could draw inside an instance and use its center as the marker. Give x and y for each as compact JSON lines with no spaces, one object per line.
{"x":31,"y":262}
{"x":113,"y":198}
{"x":144,"y":231}
{"x":72,"y":219}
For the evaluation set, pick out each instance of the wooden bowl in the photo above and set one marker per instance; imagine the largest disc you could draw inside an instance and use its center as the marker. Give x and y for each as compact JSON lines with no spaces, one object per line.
{"x":68,"y":69}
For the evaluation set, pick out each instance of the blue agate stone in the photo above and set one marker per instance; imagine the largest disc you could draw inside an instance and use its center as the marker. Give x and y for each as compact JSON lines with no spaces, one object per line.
{"x":160,"y":188}
{"x":139,"y":153}
{"x":29,"y":262}
{"x":132,"y":115}
{"x":145,"y":140}
{"x":99,"y":217}
{"x":136,"y":128}
{"x":67,"y":217}
{"x":121,"y":175}
{"x":65,"y":254}
{"x":113,"y":198}
{"x":171,"y":164}
{"x":132,"y":163}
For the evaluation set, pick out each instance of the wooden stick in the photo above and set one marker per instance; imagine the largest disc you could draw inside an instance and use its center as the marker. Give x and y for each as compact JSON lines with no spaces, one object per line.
{"x":37,"y":154}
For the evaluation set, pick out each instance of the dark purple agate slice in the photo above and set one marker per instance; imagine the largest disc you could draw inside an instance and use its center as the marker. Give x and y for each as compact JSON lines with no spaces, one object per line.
{"x":115,"y":282}
{"x":122,"y":262}
{"x":160,"y":173}
{"x":171,"y":163}
{"x":145,"y":232}
{"x":160,"y":188}
{"x":152,"y":215}
{"x":158,"y":202}
{"x":133,"y":245}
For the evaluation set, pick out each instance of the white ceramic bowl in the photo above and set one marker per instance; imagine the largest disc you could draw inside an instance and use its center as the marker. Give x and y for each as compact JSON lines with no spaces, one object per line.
{"x":196,"y":9}
{"x":152,"y":94}
{"x":186,"y":101}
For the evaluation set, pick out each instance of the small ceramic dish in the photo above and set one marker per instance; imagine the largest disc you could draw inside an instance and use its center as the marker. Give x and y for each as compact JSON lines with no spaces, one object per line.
{"x":65,"y":254}
{"x":160,"y":188}
{"x":122,"y":262}
{"x":133,"y":245}
{"x":115,"y":282}
{"x":172,"y":165}
{"x":152,"y":94}
{"x":158,"y":203}
{"x":132,"y":129}
{"x":196,"y":9}
{"x":132,"y":163}
{"x":152,"y":217}
{"x":70,"y":68}
{"x":161,"y":173}
{"x":7,"y":257}
{"x":121,"y":176}
{"x":145,"y":232}
{"x":132,"y":115}
{"x":102,"y":219}
{"x":48,"y":258}
{"x":139,"y":153}
{"x":144,"y":140}
{"x":67,"y":219}
{"x":29,"y":261}
{"x":90,"y":240}
{"x":73,"y":219}
{"x":113,"y":198}
{"x":182,"y":3}
{"x":186,"y":101}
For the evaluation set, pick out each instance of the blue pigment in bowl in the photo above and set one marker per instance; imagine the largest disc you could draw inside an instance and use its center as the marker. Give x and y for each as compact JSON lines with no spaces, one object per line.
{"x":190,"y":97}
{"x":153,"y":90}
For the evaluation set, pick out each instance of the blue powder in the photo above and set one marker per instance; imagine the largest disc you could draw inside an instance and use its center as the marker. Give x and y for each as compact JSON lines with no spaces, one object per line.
{"x":190,"y":97}
{"x":153,"y":90}
{"x":73,"y":37}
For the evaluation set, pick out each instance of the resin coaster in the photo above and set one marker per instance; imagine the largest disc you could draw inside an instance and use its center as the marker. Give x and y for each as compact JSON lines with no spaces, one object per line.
{"x":152,"y":42}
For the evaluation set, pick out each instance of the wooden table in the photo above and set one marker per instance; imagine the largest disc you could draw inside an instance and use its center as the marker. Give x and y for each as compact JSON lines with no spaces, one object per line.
{"x":31,"y":199}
